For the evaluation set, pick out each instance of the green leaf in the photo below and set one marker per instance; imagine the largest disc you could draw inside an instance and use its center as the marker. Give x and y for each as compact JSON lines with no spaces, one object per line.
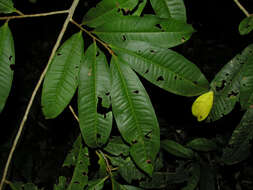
{"x":127,"y":169}
{"x":246,"y":25}
{"x":105,"y":10}
{"x":61,"y":184}
{"x":62,"y":77}
{"x":141,"y":5}
{"x":7,"y":60}
{"x":149,"y":28}
{"x":72,"y":156}
{"x":202,"y":144}
{"x":6,"y":6}
{"x":164,"y":68}
{"x":80,"y":175}
{"x":169,"y":9}
{"x":176,"y":149}
{"x":93,"y":97}
{"x":102,"y":166}
{"x":246,"y":91}
{"x":194,"y":179}
{"x":134,"y":115}
{"x":226,"y":85}
{"x":239,"y":144}
{"x":117,"y":147}
{"x":96,"y":184}
{"x":21,"y":186}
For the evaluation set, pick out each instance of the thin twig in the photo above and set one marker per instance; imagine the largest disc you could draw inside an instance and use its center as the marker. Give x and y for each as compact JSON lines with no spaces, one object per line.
{"x":57,"y":44}
{"x":242,"y":8}
{"x":73,"y":112}
{"x":33,"y":15}
{"x":94,"y":37}
{"x":19,"y":12}
{"x":108,"y":167}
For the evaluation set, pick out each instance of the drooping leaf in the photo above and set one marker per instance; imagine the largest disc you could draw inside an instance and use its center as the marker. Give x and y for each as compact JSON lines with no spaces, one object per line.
{"x":246,"y":90}
{"x":226,"y":85}
{"x":246,"y":25}
{"x":62,"y":77}
{"x":102,"y":165}
{"x":134,"y":115}
{"x":207,"y":178}
{"x":239,"y":145}
{"x":7,"y":61}
{"x":169,"y":9}
{"x":194,"y":179}
{"x":6,"y":6}
{"x":127,"y":169}
{"x":164,"y":68}
{"x":95,"y":119}
{"x":202,"y":106}
{"x":176,"y":149}
{"x":150,"y":29}
{"x":105,"y":10}
{"x":80,"y":175}
{"x":202,"y":144}
{"x":62,"y":184}
{"x":96,"y":184}
{"x":117,"y":147}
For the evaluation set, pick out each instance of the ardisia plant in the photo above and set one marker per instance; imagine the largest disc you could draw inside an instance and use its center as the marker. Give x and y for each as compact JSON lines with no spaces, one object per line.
{"x":103,"y":62}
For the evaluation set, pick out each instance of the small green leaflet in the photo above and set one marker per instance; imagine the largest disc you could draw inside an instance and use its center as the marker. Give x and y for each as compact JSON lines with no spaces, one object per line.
{"x":6,"y":6}
{"x":134,"y":115}
{"x":7,"y":61}
{"x":149,"y":28}
{"x":105,"y":10}
{"x":246,"y":25}
{"x":93,"y":96}
{"x":96,"y":184}
{"x":61,"y":79}
{"x":202,"y":144}
{"x":164,"y":68}
{"x":169,"y":9}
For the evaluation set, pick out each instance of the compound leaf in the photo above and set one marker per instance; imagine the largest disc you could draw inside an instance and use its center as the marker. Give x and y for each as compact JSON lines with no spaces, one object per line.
{"x":169,"y":9}
{"x":95,"y":119}
{"x":150,"y":29}
{"x":134,"y":115}
{"x":164,"y":68}
{"x":7,"y":61}
{"x":62,"y":77}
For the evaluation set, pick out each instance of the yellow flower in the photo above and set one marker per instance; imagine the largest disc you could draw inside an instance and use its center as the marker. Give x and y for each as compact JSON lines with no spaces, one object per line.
{"x":202,"y":106}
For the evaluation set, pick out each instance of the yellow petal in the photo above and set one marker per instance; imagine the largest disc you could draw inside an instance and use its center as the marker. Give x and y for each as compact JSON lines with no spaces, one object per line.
{"x":202,"y":106}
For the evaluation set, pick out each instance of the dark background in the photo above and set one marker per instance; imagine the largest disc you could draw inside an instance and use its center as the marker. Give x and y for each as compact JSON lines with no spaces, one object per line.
{"x":45,"y":143}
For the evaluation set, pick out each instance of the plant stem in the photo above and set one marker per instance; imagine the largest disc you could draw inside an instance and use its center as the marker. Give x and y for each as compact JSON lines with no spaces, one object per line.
{"x":93,"y":37}
{"x":57,"y":44}
{"x":73,"y":113}
{"x":242,"y":8}
{"x":21,"y":15}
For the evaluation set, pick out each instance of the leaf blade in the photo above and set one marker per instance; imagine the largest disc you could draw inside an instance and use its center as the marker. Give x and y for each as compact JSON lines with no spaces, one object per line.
{"x":60,"y":82}
{"x":134,"y":115}
{"x":6,"y":6}
{"x":7,"y":60}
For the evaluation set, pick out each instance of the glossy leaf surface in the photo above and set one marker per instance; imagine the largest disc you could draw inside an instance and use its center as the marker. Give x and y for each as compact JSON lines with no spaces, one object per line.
{"x":169,"y":9}
{"x":61,"y":80}
{"x":226,"y":85}
{"x":150,"y":29}
{"x":164,"y":68}
{"x":202,"y":144}
{"x":7,"y":61}
{"x":134,"y":115}
{"x":95,"y":119}
{"x":117,"y":147}
{"x":6,"y":6}
{"x":105,"y":10}
{"x":96,"y":184}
